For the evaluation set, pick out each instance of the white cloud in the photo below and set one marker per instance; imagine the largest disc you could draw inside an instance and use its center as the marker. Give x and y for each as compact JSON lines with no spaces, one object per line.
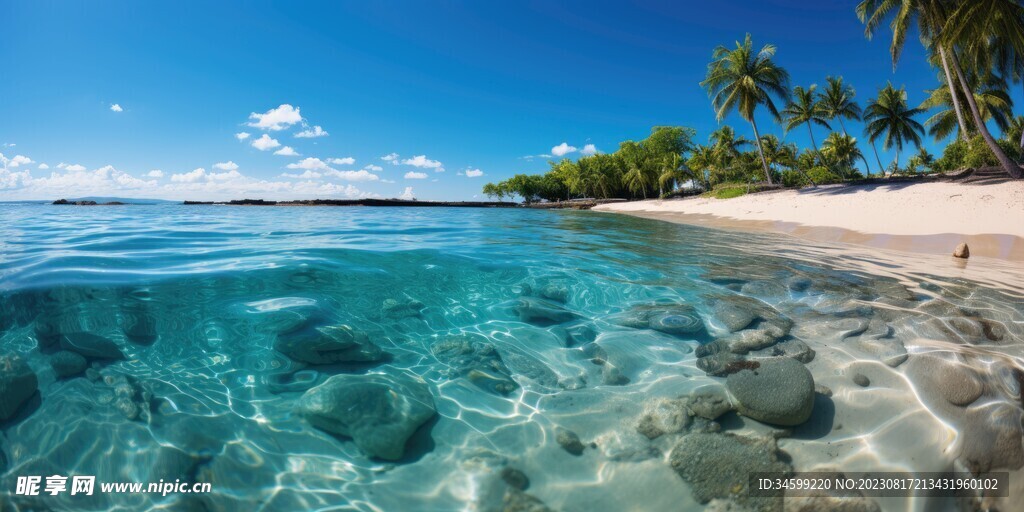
{"x":374,"y":168}
{"x":474,"y":173}
{"x":73,"y":168}
{"x":415,"y":175}
{"x":407,"y":194}
{"x":155,"y":173}
{"x":422,"y":162}
{"x":390,"y":157}
{"x":19,"y":160}
{"x":44,"y":166}
{"x":382,"y":180}
{"x":222,"y":176}
{"x":588,"y":150}
{"x":276,"y":118}
{"x":226,"y":166}
{"x":242,"y":135}
{"x":316,"y":131}
{"x":116,"y":108}
{"x":342,"y":161}
{"x":308,"y":175}
{"x":562,"y":149}
{"x":265,"y":142}
{"x":190,"y":177}
{"x":352,"y":175}
{"x":286,"y":151}
{"x":309,"y":163}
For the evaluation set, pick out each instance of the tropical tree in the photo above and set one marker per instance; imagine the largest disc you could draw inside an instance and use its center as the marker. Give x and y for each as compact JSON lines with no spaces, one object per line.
{"x":989,"y":93}
{"x":640,"y":174}
{"x":1015,"y":131}
{"x":842,"y":149}
{"x":673,"y":173}
{"x":805,"y":109}
{"x":702,"y":161}
{"x":922,"y":159}
{"x":890,"y":118}
{"x":836,"y":99}
{"x":778,"y":154}
{"x":741,"y":79}
{"x":727,"y":148}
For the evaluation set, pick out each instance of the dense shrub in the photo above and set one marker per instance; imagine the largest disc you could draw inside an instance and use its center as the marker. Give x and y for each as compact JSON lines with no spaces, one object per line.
{"x":961,"y":154}
{"x":820,"y":175}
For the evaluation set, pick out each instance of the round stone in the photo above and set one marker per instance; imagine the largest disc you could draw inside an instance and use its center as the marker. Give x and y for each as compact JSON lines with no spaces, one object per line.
{"x":778,"y":390}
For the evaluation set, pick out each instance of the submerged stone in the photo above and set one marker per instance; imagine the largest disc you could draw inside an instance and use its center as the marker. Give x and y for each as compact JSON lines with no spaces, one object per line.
{"x":955,"y":382}
{"x":379,"y":412}
{"x":675,"y":319}
{"x":141,"y":329}
{"x":779,"y":391}
{"x":718,"y":466}
{"x":569,"y":441}
{"x":793,"y":348}
{"x":68,"y":364}
{"x":709,"y":402}
{"x":91,"y":346}
{"x":734,"y":316}
{"x":542,"y":312}
{"x":17,"y":384}
{"x":663,"y":417}
{"x":477,"y":361}
{"x":328,"y":345}
{"x":393,"y":308}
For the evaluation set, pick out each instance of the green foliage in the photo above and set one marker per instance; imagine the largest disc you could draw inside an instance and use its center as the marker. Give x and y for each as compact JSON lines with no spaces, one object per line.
{"x":727,"y":192}
{"x":820,"y":175}
{"x":961,"y":154}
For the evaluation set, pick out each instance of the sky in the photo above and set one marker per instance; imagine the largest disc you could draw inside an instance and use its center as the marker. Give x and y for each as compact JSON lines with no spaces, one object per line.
{"x":282,"y":100}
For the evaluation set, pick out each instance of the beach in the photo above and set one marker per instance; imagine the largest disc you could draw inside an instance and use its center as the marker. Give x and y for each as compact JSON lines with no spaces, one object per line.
{"x":917,"y":217}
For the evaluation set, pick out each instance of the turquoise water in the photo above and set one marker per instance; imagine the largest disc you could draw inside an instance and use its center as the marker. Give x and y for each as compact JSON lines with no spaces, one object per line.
{"x":197,"y":298}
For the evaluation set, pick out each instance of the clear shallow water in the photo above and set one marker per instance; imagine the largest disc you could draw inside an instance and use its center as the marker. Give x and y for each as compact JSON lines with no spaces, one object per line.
{"x":195,"y":297}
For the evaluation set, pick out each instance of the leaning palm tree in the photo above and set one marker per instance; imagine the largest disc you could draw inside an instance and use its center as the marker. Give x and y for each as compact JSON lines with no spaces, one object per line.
{"x":778,"y":154}
{"x":990,"y":94}
{"x":890,"y":118}
{"x":741,"y":79}
{"x":842,"y":149}
{"x":805,"y":109}
{"x":672,"y":173}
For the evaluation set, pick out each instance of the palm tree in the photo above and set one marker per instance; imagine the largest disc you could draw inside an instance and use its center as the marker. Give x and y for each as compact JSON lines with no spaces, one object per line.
{"x":891,"y":117}
{"x":989,"y":93}
{"x":805,"y":109}
{"x":837,"y":101}
{"x":639,"y":173}
{"x":727,"y":148}
{"x":922,"y":159}
{"x":777,"y":153}
{"x":843,"y":150}
{"x":702,"y":159}
{"x":672,"y":173}
{"x":741,"y":79}
{"x":1015,"y":130}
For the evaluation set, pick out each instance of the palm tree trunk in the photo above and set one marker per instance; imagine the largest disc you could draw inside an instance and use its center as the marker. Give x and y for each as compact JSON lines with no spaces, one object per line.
{"x":815,"y":144}
{"x":881,"y":168}
{"x":954,"y":96}
{"x":1008,"y":165}
{"x":843,"y":126}
{"x":760,"y":151}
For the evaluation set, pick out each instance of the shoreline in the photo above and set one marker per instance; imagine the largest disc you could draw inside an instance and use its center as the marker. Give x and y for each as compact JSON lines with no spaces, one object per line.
{"x":930,"y":218}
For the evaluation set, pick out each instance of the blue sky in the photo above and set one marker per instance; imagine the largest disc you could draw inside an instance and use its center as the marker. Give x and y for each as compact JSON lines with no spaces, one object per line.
{"x":478,"y":89}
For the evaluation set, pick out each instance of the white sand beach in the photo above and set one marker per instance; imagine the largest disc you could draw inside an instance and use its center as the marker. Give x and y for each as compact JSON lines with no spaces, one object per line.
{"x":918,"y":217}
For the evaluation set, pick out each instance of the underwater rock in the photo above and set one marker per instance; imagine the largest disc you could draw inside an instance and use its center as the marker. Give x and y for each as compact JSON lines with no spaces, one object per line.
{"x":798,"y":283}
{"x":48,"y":332}
{"x":527,"y":366}
{"x":664,"y":417}
{"x":841,"y":306}
{"x":296,"y":382}
{"x":779,"y":391}
{"x":393,"y":308}
{"x":379,"y":412}
{"x":733,"y":316}
{"x":717,"y":360}
{"x":993,"y":440}
{"x":68,"y":364}
{"x":328,"y":345}
{"x":477,"y":361}
{"x":718,"y":465}
{"x":131,"y":399}
{"x":141,"y":329}
{"x":17,"y":384}
{"x":542,"y":312}
{"x":890,"y":351}
{"x":765,"y":290}
{"x":861,"y":380}
{"x":675,"y":319}
{"x":957,"y":383}
{"x":91,"y":346}
{"x":579,"y":334}
{"x":793,"y":348}
{"x":569,"y":441}
{"x":515,"y":478}
{"x":754,"y":339}
{"x":516,"y":500}
{"x":709,"y":402}
{"x":831,"y":504}
{"x":848,"y":327}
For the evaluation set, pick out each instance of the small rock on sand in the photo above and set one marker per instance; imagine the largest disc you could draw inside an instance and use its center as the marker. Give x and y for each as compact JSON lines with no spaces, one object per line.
{"x":780,"y":391}
{"x":569,"y":441}
{"x":718,"y":465}
{"x":861,"y":380}
{"x":962,"y":251}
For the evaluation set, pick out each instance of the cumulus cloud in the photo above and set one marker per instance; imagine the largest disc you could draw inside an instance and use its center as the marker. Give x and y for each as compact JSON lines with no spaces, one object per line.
{"x":415,"y":175}
{"x":19,"y":160}
{"x":352,"y":175}
{"x":474,"y":173}
{"x":311,"y":133}
{"x":588,"y":150}
{"x":190,"y":177}
{"x":342,"y":161}
{"x":226,"y":166}
{"x":422,"y":162}
{"x":390,"y":157}
{"x":309,"y":163}
{"x":155,"y":173}
{"x":73,"y":168}
{"x":407,"y":194}
{"x":44,"y":166}
{"x":242,"y":135}
{"x":308,"y":175}
{"x":374,"y":168}
{"x":116,"y":108}
{"x":265,"y":142}
{"x":286,"y":151}
{"x":562,"y":149}
{"x":276,"y":118}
